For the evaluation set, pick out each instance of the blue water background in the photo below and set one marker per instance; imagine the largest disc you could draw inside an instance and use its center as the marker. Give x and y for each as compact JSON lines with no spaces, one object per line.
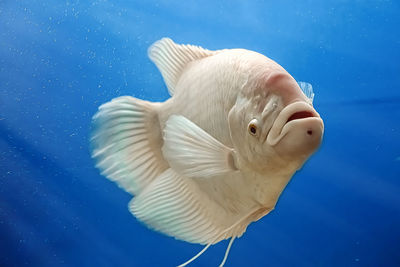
{"x":59,"y":60}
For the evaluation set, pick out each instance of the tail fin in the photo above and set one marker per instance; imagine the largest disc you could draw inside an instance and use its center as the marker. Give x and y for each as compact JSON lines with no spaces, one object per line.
{"x":126,"y":143}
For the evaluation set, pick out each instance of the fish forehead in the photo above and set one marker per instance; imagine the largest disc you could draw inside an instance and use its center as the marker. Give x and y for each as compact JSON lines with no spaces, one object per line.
{"x":285,"y":86}
{"x":276,"y":82}
{"x":243,"y":69}
{"x":264,"y":76}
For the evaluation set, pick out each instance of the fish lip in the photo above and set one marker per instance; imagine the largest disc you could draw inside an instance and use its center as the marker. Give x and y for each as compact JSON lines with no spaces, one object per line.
{"x":277,"y":130}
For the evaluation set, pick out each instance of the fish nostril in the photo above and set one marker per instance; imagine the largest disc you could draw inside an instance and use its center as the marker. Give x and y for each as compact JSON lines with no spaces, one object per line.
{"x":309,"y":132}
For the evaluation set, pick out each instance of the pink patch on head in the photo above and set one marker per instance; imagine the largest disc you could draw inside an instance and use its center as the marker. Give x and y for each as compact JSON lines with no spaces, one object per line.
{"x":282,"y":84}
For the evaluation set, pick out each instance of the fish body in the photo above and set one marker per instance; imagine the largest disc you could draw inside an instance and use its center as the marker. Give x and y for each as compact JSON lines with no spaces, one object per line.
{"x":216,"y":155}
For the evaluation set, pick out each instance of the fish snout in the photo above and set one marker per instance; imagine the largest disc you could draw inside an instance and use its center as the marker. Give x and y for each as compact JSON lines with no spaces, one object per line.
{"x":302,"y":138}
{"x":297,"y":131}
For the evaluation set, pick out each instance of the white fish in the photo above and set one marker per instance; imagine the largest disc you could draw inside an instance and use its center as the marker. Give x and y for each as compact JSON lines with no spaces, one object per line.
{"x":215,"y":156}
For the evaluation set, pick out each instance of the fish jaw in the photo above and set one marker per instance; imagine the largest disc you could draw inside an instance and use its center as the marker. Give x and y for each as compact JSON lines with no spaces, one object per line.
{"x":297,"y":131}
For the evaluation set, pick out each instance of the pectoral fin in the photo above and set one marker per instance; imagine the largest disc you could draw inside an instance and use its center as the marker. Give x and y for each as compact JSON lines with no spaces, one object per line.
{"x":307,"y":90}
{"x":192,"y":152}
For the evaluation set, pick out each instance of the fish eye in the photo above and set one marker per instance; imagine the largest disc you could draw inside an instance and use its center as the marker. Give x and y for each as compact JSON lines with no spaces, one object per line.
{"x":253,"y":127}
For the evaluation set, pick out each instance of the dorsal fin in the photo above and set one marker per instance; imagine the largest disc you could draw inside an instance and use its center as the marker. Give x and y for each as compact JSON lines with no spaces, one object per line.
{"x":171,"y":59}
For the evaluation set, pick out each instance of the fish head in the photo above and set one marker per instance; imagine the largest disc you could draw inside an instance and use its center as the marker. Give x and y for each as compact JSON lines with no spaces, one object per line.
{"x":273,"y":125}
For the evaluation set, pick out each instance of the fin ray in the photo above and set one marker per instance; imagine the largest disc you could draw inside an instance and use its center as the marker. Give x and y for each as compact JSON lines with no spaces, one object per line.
{"x":126,"y":143}
{"x":173,"y":205}
{"x":192,"y":152}
{"x":307,"y":90}
{"x":171,"y":59}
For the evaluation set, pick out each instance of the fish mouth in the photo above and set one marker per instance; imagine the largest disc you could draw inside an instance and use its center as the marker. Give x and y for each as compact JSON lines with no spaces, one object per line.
{"x":289,"y":115}
{"x":300,"y":115}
